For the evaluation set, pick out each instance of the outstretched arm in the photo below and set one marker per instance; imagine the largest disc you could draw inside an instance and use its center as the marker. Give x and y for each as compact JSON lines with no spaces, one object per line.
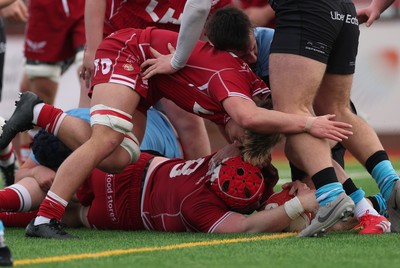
{"x":249,"y":116}
{"x":273,"y":220}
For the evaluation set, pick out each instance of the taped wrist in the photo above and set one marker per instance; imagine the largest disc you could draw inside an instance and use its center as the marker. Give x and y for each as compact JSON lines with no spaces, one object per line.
{"x":293,"y":208}
{"x":309,"y":122}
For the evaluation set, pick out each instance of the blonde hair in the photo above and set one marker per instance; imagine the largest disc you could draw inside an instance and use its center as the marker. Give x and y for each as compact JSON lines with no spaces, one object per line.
{"x":257,"y":147}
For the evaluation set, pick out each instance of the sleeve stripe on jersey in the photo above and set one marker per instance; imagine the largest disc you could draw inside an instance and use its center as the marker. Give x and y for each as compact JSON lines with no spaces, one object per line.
{"x":217,"y":223}
{"x":237,"y":94}
{"x":264,"y":90}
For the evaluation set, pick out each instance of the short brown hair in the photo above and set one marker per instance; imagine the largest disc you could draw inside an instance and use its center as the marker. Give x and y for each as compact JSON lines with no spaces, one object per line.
{"x":229,"y":28}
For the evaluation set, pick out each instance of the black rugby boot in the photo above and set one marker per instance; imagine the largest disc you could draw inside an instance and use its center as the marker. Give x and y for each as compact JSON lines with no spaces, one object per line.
{"x":53,"y":229}
{"x":21,"y":119}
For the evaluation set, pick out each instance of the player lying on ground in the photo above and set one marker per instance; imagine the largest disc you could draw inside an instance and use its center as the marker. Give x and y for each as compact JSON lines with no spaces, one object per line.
{"x":217,"y":192}
{"x":202,"y":197}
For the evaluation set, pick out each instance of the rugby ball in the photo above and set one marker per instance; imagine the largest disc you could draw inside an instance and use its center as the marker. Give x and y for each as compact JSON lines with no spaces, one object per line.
{"x":279,"y":198}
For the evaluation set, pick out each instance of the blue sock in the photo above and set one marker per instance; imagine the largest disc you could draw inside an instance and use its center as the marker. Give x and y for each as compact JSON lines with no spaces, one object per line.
{"x":382,"y":205}
{"x":328,"y":193}
{"x":385,"y":176}
{"x":357,"y":195}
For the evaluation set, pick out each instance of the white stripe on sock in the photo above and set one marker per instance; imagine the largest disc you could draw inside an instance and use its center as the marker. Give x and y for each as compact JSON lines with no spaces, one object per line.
{"x":24,"y":197}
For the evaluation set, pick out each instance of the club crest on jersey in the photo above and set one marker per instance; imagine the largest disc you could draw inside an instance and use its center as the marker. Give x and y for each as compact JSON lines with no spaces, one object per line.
{"x":36,"y":46}
{"x":128,"y":67}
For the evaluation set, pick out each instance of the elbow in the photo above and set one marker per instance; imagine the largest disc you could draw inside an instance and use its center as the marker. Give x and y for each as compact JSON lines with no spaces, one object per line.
{"x":248,"y":122}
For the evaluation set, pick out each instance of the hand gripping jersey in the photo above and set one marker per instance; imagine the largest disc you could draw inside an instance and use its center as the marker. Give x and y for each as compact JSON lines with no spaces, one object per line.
{"x":209,"y":76}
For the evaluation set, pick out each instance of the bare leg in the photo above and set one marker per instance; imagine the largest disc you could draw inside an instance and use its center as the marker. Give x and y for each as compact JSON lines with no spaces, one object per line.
{"x":296,"y":95}
{"x":364,"y":144}
{"x":364,"y":141}
{"x":295,"y":81}
{"x":113,"y":104}
{"x":103,"y":141}
{"x":45,"y":88}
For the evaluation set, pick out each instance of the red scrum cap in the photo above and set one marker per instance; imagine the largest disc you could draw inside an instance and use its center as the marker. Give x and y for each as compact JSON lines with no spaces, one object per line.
{"x":238,"y":183}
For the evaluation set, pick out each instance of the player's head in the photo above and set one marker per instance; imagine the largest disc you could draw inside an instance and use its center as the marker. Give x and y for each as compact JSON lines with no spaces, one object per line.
{"x":238,"y":183}
{"x":49,"y":151}
{"x":257,"y":147}
{"x":230,"y":29}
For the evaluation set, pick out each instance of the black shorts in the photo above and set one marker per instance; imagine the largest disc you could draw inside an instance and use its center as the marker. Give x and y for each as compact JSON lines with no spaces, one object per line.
{"x":323,"y":30}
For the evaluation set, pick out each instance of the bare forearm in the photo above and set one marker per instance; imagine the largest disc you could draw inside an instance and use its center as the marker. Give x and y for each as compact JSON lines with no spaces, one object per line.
{"x":261,"y":120}
{"x":270,"y":221}
{"x":94,"y":19}
{"x":270,"y":121}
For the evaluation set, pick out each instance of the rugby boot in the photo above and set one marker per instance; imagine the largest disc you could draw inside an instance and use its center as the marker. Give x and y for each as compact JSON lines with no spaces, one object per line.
{"x":6,"y":258}
{"x":8,"y":173}
{"x":21,"y":119}
{"x":53,"y":229}
{"x":328,"y":215}
{"x":372,"y":224}
{"x":393,"y":207}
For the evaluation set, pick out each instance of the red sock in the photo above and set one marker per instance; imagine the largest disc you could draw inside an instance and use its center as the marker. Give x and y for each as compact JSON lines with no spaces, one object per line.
{"x":10,"y":200}
{"x":50,"y":118}
{"x":7,"y":154}
{"x":17,"y":219}
{"x":51,"y":208}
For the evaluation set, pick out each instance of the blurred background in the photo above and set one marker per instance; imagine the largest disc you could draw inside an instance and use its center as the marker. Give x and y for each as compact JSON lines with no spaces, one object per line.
{"x":376,"y":91}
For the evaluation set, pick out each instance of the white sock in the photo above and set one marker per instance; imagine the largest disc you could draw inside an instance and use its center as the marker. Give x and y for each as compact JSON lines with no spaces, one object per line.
{"x":41,"y":220}
{"x":24,"y":197}
{"x":362,"y":207}
{"x":50,"y":195}
{"x":36,"y":112}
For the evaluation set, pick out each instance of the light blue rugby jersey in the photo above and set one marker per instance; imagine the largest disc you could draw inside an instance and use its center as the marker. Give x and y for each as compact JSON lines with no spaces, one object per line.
{"x":263,"y":37}
{"x":159,"y":135}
